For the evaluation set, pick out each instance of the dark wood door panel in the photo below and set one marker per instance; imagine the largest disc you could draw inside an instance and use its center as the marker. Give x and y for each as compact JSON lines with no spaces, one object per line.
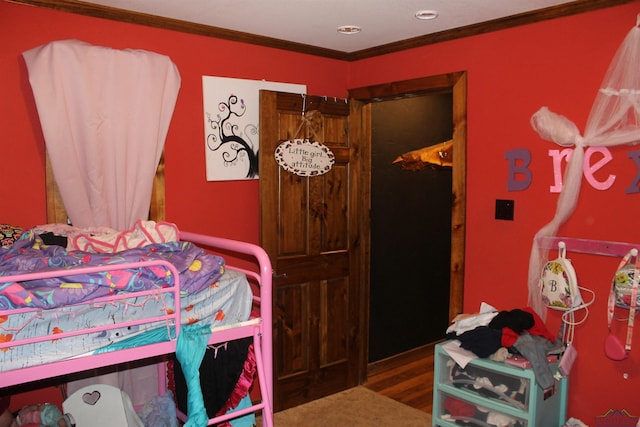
{"x":297,"y":269}
{"x":308,"y":227}
{"x":307,"y":312}
{"x":293,"y":329}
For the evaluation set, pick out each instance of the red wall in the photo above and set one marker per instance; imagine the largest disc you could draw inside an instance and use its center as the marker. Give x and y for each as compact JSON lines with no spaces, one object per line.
{"x":228,"y":209}
{"x":511,"y":74}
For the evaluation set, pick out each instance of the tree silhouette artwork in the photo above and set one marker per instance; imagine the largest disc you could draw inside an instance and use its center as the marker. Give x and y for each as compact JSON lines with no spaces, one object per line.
{"x":226,"y":137}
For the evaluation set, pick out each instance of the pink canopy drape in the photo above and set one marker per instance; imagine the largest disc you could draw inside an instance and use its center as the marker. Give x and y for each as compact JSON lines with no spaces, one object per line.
{"x":105,"y":114}
{"x":614,"y":120}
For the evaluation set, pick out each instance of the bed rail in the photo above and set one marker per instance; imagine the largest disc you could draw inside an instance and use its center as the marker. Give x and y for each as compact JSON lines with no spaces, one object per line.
{"x":263,"y":335}
{"x":52,"y":369}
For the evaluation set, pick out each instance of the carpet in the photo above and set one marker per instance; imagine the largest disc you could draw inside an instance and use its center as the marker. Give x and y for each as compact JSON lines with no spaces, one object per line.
{"x":355,"y":407}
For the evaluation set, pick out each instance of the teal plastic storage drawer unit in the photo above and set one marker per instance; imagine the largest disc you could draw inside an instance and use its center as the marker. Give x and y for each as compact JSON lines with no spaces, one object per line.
{"x":488,"y":393}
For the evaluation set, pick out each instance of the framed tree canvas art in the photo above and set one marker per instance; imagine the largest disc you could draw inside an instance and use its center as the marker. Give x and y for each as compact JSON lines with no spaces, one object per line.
{"x":231,"y":128}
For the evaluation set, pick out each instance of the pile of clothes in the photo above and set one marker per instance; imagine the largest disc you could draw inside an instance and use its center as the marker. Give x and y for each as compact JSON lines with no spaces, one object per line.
{"x":498,"y":334}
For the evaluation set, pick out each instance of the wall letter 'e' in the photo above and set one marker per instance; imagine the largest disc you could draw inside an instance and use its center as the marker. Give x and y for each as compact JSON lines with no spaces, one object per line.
{"x":589,"y":169}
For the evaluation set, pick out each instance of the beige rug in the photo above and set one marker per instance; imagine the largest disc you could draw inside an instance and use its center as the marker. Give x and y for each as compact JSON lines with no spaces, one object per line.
{"x":356,"y":407}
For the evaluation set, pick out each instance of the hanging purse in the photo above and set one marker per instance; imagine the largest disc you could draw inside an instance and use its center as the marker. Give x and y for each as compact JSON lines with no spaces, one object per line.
{"x":623,"y":294}
{"x":559,"y":290}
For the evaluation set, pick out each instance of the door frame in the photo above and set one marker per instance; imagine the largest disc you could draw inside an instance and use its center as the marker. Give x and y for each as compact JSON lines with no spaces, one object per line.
{"x":456,"y":83}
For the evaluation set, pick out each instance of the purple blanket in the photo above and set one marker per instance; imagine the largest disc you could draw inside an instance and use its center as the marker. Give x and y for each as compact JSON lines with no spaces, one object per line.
{"x":198,"y":269}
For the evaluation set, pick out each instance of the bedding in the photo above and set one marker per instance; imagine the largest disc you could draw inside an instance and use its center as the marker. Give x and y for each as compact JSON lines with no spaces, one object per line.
{"x":227,"y":301}
{"x":68,"y":303}
{"x":130,"y":313}
{"x":197,"y":269}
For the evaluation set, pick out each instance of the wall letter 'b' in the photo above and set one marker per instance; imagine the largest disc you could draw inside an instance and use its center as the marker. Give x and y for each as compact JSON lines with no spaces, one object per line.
{"x":519,"y":160}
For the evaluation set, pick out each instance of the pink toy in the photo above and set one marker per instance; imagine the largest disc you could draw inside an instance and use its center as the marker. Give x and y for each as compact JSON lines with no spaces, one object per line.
{"x":43,"y":414}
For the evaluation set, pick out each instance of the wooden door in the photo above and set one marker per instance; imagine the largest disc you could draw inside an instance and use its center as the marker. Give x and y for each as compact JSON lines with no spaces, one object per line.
{"x":310,"y":227}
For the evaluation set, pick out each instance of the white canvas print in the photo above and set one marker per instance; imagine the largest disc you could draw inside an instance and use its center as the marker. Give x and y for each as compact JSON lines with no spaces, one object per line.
{"x":231,"y":128}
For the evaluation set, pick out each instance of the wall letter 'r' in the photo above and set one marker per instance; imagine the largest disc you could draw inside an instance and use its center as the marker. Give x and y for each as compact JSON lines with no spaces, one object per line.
{"x":557,"y":156}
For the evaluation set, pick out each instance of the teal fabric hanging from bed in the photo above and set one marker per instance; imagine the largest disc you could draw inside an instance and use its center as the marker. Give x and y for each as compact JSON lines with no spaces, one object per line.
{"x":190,"y":350}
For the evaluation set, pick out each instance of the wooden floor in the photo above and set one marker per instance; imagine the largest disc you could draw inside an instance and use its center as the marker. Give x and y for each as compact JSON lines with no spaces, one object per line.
{"x":407,"y":378}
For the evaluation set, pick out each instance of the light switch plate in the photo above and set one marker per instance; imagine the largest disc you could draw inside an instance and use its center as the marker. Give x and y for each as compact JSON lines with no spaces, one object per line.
{"x":504,"y":209}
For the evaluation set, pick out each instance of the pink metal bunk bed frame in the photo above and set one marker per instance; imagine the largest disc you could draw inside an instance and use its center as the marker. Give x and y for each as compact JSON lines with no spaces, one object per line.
{"x":259,"y":328}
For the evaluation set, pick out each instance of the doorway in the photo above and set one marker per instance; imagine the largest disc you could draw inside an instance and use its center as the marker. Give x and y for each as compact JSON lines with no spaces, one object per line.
{"x":316,"y":230}
{"x":454,"y":84}
{"x":410,"y":225}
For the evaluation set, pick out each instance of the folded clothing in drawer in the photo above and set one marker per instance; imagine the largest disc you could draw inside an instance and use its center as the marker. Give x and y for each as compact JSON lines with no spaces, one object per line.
{"x":466,"y":413}
{"x":491,"y":384}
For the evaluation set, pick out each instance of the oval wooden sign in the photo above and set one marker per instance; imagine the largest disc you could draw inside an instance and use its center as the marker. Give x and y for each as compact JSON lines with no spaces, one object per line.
{"x":305,"y":158}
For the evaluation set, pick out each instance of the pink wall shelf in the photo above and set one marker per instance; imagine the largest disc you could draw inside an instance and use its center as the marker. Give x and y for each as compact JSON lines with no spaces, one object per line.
{"x":586,"y":246}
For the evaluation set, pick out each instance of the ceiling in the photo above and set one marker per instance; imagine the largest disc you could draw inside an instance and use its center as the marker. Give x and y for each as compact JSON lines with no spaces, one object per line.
{"x":315,"y":22}
{"x":312,"y":25}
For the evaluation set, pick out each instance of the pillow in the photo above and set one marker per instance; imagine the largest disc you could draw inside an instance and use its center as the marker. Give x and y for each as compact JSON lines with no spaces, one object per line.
{"x":9,"y":234}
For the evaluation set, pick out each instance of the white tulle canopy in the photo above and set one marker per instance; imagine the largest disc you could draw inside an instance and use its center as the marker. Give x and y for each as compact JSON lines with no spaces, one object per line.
{"x":614,"y":120}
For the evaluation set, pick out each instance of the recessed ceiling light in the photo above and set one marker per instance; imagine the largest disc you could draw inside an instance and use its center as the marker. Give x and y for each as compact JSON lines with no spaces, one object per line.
{"x":426,"y":14}
{"x":349,"y":29}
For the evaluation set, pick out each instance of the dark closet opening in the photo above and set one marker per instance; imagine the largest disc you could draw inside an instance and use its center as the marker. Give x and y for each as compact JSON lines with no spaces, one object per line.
{"x":410,"y":227}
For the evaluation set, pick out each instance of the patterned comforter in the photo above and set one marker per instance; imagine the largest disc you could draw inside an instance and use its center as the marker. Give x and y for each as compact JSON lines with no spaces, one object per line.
{"x":197,"y":268}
